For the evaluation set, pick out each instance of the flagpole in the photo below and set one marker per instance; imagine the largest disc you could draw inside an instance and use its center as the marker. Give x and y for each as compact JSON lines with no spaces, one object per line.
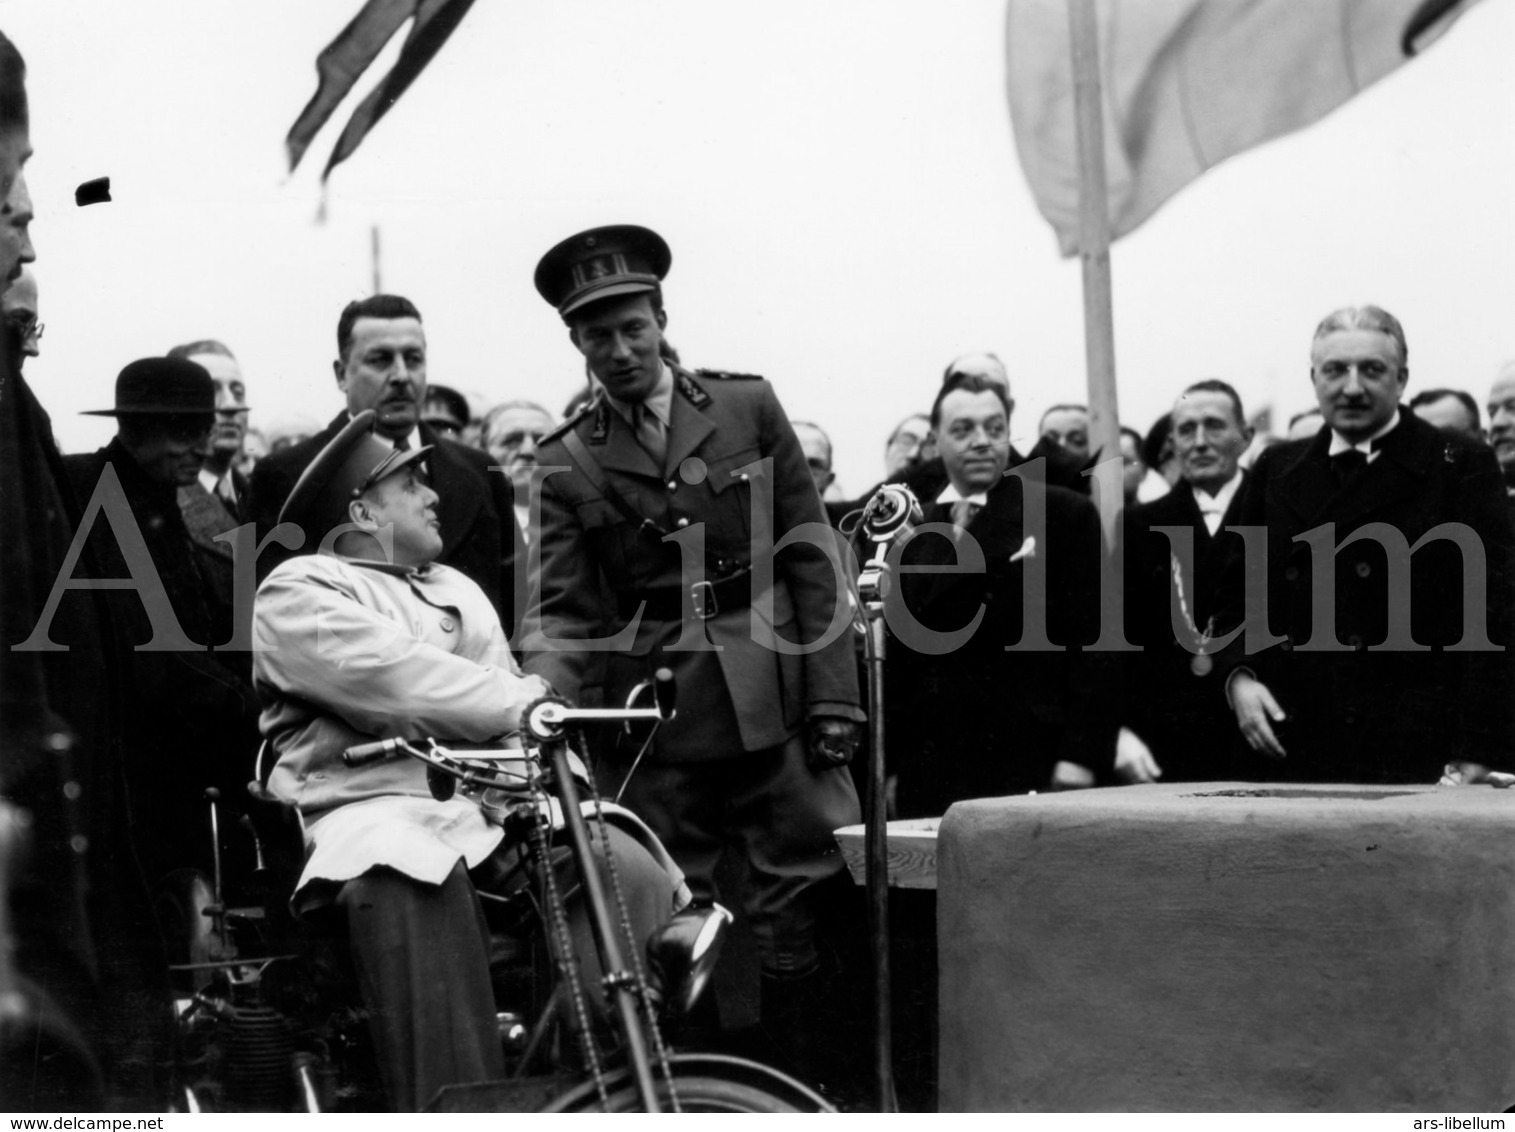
{"x":1094,"y":249}
{"x":373,"y":252}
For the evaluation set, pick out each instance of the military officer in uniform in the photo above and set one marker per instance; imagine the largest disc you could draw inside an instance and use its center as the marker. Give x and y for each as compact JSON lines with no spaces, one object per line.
{"x":658,"y":537}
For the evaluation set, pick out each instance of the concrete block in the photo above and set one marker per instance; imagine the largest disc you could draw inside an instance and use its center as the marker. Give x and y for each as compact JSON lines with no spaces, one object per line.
{"x":1223,"y":946}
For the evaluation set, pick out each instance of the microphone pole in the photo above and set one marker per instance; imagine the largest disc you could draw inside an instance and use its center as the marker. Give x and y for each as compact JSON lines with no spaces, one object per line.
{"x":889,"y":515}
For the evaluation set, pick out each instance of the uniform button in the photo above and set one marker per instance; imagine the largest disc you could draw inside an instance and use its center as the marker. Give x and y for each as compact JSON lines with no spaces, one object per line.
{"x":673,"y":485}
{"x":1286,"y":646}
{"x":1291,"y":573}
{"x":1356,"y":641}
{"x":682,"y":522}
{"x":693,"y":470}
{"x":1364,"y":569}
{"x":447,"y":625}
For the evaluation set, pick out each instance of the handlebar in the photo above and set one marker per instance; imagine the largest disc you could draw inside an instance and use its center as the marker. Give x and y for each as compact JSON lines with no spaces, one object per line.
{"x":365,"y":753}
{"x":545,"y":720}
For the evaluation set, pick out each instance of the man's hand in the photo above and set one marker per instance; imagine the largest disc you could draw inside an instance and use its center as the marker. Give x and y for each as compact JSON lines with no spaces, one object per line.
{"x":832,"y":741}
{"x":1133,"y":759}
{"x":1475,"y":774}
{"x":1071,"y":776}
{"x":1256,"y":712}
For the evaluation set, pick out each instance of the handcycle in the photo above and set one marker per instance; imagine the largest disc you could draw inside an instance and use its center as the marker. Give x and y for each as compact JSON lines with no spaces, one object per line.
{"x":589,"y":1048}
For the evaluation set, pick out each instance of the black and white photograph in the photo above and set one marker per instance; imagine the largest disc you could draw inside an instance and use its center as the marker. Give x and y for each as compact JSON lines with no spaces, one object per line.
{"x":861,"y":557}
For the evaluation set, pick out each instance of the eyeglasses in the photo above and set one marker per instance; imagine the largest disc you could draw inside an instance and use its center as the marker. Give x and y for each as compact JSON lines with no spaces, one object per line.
{"x":26,"y":325}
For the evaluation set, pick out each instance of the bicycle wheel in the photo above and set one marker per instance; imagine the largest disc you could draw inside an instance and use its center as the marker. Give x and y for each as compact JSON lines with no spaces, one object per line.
{"x":704,"y":1082}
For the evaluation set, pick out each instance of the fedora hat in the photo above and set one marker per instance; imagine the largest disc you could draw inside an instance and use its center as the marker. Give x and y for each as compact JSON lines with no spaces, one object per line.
{"x":162,"y":385}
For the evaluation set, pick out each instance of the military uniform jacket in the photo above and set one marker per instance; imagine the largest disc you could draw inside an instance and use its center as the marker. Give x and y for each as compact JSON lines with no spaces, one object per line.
{"x":479,"y":532}
{"x":734,"y":475}
{"x":1362,"y":714}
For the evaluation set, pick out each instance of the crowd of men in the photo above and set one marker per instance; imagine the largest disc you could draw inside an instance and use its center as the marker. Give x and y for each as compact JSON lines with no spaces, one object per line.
{"x":1330,"y":606}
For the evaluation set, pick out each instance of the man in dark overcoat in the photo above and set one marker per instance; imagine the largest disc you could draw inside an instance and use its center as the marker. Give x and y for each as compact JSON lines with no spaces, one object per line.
{"x":658,"y":532}
{"x":1405,"y":528}
{"x":381,"y":365}
{"x":968,"y":718}
{"x":193,"y":720}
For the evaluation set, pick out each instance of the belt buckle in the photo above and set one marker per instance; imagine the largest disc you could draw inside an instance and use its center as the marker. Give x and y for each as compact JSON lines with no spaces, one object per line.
{"x":703,"y":596}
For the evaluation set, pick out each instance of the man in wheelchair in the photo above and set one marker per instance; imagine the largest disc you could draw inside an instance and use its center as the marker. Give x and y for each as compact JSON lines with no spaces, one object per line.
{"x":371,"y":638}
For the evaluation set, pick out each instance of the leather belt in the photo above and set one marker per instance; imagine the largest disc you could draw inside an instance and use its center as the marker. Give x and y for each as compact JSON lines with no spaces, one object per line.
{"x":666,"y":603}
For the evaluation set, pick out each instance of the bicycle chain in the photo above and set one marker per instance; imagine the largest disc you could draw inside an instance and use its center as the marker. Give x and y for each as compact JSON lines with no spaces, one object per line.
{"x":644,"y":994}
{"x":567,"y":968}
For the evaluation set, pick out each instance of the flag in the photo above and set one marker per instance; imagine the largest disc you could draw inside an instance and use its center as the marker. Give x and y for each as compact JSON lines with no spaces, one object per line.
{"x":339,"y":66}
{"x":1189,"y":83}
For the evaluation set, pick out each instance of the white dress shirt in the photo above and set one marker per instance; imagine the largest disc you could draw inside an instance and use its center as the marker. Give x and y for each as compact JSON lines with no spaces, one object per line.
{"x":1213,"y":507}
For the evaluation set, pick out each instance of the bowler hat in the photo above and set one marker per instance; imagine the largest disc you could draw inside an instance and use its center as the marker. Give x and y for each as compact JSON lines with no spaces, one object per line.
{"x":352,"y":462}
{"x":622,"y":259}
{"x":162,"y":385}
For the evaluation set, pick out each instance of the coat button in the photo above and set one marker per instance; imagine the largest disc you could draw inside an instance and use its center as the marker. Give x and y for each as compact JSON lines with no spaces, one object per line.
{"x":1356,"y":641}
{"x":1364,"y":569}
{"x":683,"y":522}
{"x":447,"y":625}
{"x":1291,"y":573}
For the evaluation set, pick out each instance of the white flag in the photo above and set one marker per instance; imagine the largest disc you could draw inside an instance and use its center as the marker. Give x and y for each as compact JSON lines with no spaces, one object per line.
{"x":1189,"y":83}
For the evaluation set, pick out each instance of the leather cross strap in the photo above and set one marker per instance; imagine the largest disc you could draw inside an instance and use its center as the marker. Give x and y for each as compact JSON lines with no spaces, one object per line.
{"x":596,"y":477}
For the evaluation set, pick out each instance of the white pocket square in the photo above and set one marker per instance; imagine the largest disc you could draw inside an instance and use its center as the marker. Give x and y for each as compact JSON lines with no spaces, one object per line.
{"x":1027,"y":550}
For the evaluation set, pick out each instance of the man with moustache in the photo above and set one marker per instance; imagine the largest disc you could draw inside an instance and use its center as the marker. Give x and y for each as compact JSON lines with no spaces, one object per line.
{"x":1408,"y":529}
{"x":1175,"y":724}
{"x":381,"y":365}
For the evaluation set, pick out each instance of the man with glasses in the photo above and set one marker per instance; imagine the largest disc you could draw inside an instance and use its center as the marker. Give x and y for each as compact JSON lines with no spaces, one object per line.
{"x":512,"y":432}
{"x":18,"y":307}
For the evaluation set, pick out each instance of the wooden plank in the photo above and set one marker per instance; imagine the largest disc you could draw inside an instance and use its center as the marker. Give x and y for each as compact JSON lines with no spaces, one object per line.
{"x":912,"y":852}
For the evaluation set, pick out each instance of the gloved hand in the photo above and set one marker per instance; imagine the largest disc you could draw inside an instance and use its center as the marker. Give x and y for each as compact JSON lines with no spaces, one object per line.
{"x":832,"y":741}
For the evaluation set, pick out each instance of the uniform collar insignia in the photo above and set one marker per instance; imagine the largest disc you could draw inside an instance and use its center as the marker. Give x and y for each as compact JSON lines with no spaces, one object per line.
{"x":690,"y":389}
{"x":601,"y":430}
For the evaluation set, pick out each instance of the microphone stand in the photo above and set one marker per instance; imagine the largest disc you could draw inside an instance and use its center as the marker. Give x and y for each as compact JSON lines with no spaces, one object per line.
{"x":888,"y":516}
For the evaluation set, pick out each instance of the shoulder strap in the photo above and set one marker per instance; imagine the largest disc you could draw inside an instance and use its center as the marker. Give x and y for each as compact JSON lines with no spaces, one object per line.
{"x":596,"y":477}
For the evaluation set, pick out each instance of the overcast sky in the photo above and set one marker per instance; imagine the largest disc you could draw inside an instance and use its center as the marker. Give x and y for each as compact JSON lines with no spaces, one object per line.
{"x":837,"y":181}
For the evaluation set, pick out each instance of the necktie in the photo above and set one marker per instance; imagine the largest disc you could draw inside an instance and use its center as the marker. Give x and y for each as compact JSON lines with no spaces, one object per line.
{"x":1346,"y":466}
{"x":403,"y":444}
{"x":226,"y":493}
{"x":650,"y":433}
{"x":963,"y":513}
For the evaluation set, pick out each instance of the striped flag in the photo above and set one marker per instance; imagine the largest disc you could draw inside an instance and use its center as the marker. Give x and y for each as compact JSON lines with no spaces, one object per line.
{"x":1189,"y":83}
{"x":339,"y":66}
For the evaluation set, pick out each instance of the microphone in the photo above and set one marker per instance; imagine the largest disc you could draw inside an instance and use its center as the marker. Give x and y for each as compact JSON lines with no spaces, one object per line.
{"x":891,"y":512}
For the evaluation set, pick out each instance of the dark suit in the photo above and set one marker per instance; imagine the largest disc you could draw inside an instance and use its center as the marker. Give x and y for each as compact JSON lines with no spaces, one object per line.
{"x":1391,"y":716}
{"x":733,"y":762}
{"x":207,"y":515}
{"x":479,"y":532}
{"x":1175,"y":703}
{"x":979,"y":721}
